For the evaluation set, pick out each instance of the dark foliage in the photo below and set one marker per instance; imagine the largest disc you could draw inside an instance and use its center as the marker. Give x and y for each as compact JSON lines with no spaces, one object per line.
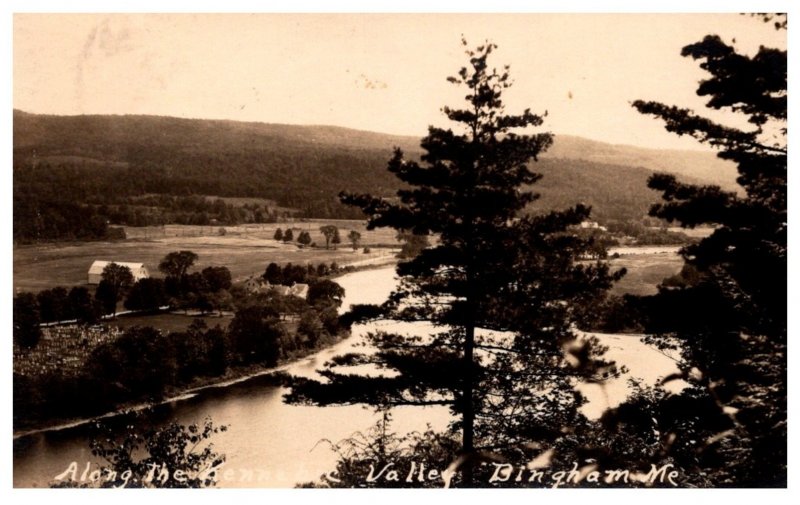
{"x":490,"y":268}
{"x":273,"y":274}
{"x":140,"y":363}
{"x":177,"y":264}
{"x":147,"y":294}
{"x":115,"y":283}
{"x":137,"y":454}
{"x":217,"y":278}
{"x":106,"y":297}
{"x":731,"y":299}
{"x":26,"y":320}
{"x":54,"y":305}
{"x":256,"y":333}
{"x":85,"y":309}
{"x":325,"y":293}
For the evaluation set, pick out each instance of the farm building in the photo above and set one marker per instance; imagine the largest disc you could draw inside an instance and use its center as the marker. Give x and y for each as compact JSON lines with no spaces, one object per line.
{"x":138,"y":270}
{"x":256,"y":284}
{"x":259,"y":285}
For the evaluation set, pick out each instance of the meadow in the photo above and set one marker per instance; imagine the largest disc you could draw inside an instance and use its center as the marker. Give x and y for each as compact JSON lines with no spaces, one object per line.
{"x":245,"y":250}
{"x":645,"y":271}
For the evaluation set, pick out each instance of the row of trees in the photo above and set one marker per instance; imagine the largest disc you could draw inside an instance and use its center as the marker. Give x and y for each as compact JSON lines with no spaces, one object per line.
{"x":144,"y":364}
{"x":38,"y":219}
{"x":303,"y":238}
{"x":512,"y":394}
{"x":158,"y":210}
{"x":80,"y":305}
{"x":207,"y":290}
{"x":290,"y":274}
{"x":329,"y":231}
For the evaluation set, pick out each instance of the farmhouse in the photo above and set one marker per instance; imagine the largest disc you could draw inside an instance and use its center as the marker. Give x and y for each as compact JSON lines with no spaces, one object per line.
{"x":255,"y":284}
{"x":138,"y":270}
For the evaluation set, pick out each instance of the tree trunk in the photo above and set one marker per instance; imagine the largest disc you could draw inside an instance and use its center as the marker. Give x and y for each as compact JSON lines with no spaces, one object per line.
{"x":468,"y":417}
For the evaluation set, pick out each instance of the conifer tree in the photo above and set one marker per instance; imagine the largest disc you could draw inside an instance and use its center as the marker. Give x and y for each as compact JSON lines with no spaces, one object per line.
{"x":492,"y":267}
{"x":728,"y":320}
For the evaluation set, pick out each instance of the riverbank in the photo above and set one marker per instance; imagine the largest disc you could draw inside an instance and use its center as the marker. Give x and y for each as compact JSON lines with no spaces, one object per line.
{"x":234,"y":375}
{"x":279,"y":443}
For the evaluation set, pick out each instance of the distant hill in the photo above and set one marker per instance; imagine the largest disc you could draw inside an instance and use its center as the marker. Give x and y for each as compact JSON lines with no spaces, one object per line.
{"x":105,"y":160}
{"x":700,"y":166}
{"x":107,"y":136}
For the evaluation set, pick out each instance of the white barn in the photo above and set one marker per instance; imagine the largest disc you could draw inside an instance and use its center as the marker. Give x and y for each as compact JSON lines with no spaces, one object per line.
{"x":138,"y":270}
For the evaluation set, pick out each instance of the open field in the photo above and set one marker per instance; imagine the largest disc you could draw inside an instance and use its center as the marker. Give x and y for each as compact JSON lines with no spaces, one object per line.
{"x":244,"y":252}
{"x":247,"y":249}
{"x":645,"y":272}
{"x":699,"y":232}
{"x":266,"y":231}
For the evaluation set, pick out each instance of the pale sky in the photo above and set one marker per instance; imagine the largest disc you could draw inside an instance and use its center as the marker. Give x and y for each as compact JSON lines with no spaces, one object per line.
{"x":378,"y":72}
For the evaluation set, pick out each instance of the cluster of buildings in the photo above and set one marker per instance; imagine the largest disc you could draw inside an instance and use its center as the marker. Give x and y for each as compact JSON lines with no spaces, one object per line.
{"x":255,"y":284}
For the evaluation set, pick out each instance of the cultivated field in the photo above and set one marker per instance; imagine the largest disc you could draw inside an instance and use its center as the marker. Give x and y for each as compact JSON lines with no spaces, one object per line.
{"x":245,"y":250}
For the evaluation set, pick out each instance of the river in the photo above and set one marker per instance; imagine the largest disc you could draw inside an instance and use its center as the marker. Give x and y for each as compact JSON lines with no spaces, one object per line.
{"x":271,"y":444}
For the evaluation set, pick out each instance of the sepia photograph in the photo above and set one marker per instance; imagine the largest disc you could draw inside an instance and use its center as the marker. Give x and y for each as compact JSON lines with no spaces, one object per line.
{"x":486,"y":250}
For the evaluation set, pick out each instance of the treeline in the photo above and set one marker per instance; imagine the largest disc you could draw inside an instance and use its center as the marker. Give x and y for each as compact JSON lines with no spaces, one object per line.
{"x":208,"y":290}
{"x":38,"y":219}
{"x":144,"y":364}
{"x":58,"y":304}
{"x":290,"y":274}
{"x":156,"y":210}
{"x":205,"y":291}
{"x":45,"y":207}
{"x":650,"y":235}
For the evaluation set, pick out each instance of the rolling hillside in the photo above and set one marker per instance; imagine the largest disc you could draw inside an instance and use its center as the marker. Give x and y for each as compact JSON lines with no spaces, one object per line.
{"x":105,"y":161}
{"x":699,"y":166}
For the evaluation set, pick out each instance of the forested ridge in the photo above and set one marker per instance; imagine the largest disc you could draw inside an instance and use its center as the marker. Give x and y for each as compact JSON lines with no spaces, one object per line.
{"x":99,"y":167}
